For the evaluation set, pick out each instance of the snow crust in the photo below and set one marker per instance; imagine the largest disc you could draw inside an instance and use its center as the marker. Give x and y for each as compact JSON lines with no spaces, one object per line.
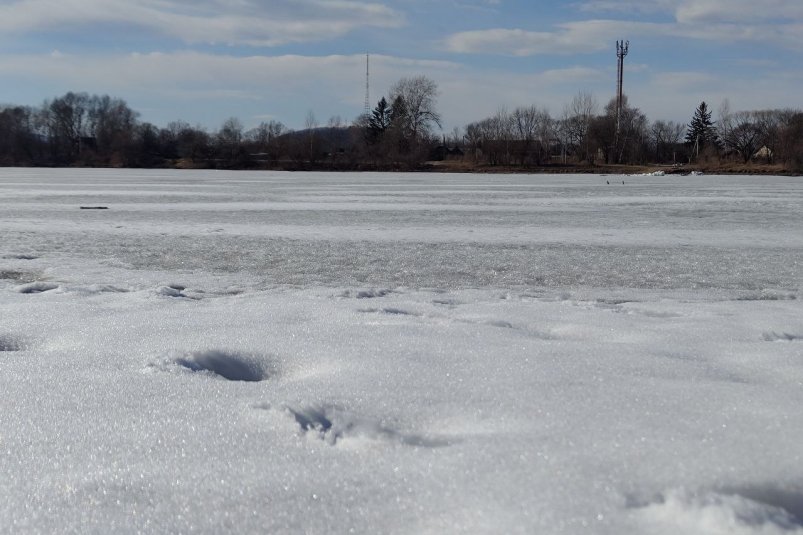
{"x":400,"y":353}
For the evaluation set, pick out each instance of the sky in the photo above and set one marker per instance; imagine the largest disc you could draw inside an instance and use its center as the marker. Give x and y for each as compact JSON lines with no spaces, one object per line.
{"x":204,"y":61}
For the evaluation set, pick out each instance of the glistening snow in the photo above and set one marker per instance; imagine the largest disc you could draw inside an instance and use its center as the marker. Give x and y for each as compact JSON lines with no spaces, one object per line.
{"x":400,"y":353}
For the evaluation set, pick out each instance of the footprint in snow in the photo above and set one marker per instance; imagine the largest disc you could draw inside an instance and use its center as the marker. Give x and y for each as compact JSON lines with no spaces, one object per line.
{"x":331,"y":424}
{"x":390,"y":311}
{"x":216,"y":363}
{"x":451,"y":303}
{"x":373,"y":294}
{"x":228,"y":365}
{"x":20,"y":257}
{"x":11,"y":343}
{"x":367,"y":294}
{"x":36,"y":287}
{"x":781,"y":337}
{"x":173,"y":290}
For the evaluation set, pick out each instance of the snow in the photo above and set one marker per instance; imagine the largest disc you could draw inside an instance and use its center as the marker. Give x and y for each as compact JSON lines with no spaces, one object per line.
{"x":400,"y":353}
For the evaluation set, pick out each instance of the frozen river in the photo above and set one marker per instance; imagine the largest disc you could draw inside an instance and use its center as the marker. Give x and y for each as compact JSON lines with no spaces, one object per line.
{"x":400,"y":353}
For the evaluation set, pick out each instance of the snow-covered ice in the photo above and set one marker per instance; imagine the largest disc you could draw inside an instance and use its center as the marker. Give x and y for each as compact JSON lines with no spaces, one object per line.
{"x":400,"y":353}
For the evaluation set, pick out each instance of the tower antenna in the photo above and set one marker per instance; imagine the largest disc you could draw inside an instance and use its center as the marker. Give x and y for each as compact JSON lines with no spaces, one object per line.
{"x":367,"y":85}
{"x":622,"y":48}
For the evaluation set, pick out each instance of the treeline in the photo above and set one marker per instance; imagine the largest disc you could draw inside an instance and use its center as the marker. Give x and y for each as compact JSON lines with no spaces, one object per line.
{"x":530,"y":136}
{"x":403,"y":131}
{"x":79,"y":129}
{"x":91,"y":130}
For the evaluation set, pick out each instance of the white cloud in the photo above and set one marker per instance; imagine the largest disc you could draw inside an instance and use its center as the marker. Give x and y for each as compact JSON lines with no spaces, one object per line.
{"x":718,"y":11}
{"x":209,"y":88}
{"x":590,"y":36}
{"x":213,"y":87}
{"x":517,"y":42}
{"x":579,"y":37}
{"x":212,"y":21}
{"x":629,"y":6}
{"x":704,"y":11}
{"x":771,"y":22}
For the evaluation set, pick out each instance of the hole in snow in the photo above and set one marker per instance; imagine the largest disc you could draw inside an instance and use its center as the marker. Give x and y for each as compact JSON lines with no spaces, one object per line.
{"x":37,"y":287}
{"x":331,"y":424}
{"x":781,"y":337}
{"x":446,"y":302}
{"x":9,"y":343}
{"x":229,"y":365}
{"x":399,"y":312}
{"x":767,"y":296}
{"x":371,"y":294}
{"x":20,"y":257}
{"x":501,"y":324}
{"x":175,"y":290}
{"x":391,"y":311}
{"x":789,"y":500}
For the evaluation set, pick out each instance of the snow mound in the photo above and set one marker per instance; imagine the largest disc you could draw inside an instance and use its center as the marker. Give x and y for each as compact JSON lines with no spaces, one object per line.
{"x":332,"y":424}
{"x":229,"y":365}
{"x":714,"y":513}
{"x":654,"y":173}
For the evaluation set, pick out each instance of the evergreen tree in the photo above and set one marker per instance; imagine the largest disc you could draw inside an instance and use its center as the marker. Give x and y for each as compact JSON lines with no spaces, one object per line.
{"x":701,"y":132}
{"x":402,"y":134}
{"x":378,"y":121}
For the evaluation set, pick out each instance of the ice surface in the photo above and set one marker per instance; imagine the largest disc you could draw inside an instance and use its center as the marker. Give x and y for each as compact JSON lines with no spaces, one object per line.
{"x":400,"y":353}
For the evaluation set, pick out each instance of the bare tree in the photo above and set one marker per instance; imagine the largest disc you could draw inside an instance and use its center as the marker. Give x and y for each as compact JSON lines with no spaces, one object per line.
{"x":229,"y":141}
{"x":666,"y":137}
{"x":66,"y":125}
{"x":772,"y":123}
{"x":576,"y":122}
{"x":19,"y":143}
{"x":419,"y":96}
{"x":335,"y":121}
{"x":741,"y":133}
{"x":112,"y":125}
{"x":791,"y":141}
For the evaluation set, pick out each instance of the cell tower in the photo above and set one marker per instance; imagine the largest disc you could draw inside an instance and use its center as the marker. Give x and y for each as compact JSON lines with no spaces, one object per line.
{"x":622,"y":48}
{"x":367,"y":85}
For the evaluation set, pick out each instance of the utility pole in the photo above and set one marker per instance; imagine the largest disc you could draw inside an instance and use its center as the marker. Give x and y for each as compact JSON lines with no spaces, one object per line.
{"x":622,"y":48}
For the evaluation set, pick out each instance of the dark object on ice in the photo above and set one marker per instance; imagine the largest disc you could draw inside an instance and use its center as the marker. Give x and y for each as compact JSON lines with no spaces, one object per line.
{"x":623,"y":182}
{"x":94,"y":207}
{"x":607,"y":182}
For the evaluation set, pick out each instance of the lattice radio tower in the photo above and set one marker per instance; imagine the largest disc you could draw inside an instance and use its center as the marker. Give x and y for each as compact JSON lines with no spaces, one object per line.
{"x":622,"y":48}
{"x":367,"y":85}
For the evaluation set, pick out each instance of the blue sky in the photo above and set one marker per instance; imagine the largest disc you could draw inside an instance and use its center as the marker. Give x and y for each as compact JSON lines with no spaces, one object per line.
{"x":204,"y":61}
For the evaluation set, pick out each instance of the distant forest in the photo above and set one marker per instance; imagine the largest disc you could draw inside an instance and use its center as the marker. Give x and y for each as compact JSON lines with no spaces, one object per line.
{"x":403,"y":131}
